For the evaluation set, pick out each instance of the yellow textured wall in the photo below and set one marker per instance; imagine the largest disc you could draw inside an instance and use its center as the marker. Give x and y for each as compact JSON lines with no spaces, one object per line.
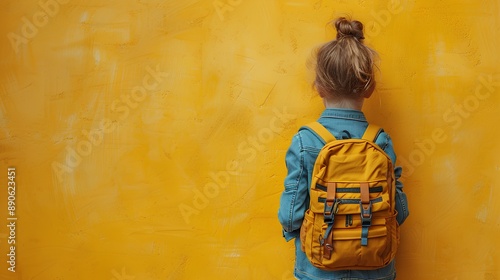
{"x":148,"y":137}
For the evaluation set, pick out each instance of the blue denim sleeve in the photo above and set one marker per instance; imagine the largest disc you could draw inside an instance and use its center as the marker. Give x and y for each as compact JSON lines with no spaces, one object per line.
{"x":385,"y":142}
{"x":293,"y":201}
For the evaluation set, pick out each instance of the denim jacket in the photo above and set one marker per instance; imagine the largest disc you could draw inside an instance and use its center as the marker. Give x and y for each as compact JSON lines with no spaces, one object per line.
{"x":300,"y":159}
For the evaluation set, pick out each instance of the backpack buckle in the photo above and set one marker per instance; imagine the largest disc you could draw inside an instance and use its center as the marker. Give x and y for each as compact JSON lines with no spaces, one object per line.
{"x":366,"y":221}
{"x":366,"y":214}
{"x":329,"y":210}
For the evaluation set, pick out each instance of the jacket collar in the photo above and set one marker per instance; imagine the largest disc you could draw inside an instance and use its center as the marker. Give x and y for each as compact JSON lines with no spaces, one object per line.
{"x":343,"y":114}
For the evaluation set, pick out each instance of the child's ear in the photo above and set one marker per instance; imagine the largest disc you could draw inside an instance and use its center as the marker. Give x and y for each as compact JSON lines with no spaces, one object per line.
{"x":368,"y":93}
{"x":315,"y":86}
{"x":370,"y":90}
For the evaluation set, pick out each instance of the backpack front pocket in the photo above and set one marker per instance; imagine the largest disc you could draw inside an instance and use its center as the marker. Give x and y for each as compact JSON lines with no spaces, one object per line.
{"x":347,"y":251}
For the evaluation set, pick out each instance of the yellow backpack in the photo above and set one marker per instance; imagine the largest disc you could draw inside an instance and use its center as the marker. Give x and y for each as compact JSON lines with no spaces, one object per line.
{"x":351,"y":220}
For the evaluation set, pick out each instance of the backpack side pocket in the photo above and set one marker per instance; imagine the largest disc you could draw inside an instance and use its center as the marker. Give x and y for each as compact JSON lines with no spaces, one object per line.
{"x":306,"y":231}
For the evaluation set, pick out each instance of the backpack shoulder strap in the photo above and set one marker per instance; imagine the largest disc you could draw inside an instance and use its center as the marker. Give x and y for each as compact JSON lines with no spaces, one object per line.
{"x":320,"y":131}
{"x":371,"y":132}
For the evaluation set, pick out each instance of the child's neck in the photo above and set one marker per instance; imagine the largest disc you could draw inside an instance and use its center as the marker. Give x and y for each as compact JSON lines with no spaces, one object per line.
{"x":354,"y":104}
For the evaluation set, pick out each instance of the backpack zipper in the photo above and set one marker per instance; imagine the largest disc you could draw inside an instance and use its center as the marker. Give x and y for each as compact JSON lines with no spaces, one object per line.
{"x":350,"y":200}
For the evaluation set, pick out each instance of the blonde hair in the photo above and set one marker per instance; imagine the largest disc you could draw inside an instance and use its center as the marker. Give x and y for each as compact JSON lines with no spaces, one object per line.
{"x":345,"y":66}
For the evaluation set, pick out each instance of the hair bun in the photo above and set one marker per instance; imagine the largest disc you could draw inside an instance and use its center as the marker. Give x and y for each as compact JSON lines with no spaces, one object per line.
{"x":346,"y":28}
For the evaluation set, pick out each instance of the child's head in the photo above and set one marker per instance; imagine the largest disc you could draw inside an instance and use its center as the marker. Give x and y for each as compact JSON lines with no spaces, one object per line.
{"x":345,"y":66}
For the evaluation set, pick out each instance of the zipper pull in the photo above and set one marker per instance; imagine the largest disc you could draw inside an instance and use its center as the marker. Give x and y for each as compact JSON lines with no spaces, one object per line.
{"x":348,"y":220}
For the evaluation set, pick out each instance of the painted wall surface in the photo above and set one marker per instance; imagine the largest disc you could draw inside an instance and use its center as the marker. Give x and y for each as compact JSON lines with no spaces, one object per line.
{"x":148,"y":137}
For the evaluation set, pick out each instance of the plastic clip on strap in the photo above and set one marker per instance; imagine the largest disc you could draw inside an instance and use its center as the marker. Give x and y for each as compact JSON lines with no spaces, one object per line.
{"x":329,"y":217}
{"x":366,"y":212}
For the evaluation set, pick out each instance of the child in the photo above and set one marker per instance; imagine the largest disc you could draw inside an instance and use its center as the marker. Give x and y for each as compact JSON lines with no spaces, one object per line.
{"x":344,"y":78}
